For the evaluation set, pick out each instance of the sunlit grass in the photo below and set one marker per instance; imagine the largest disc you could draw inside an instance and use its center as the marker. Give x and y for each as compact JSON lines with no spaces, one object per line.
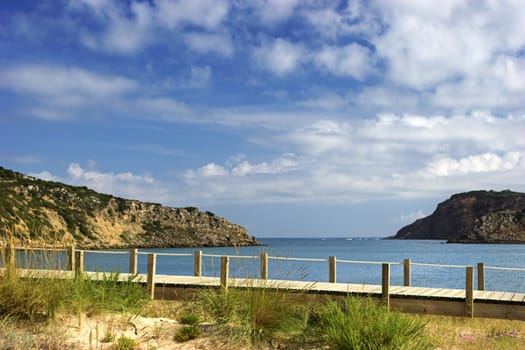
{"x":448,"y":332}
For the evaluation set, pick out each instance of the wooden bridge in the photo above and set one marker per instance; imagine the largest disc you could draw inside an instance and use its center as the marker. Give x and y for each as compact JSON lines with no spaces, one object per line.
{"x":467,"y":302}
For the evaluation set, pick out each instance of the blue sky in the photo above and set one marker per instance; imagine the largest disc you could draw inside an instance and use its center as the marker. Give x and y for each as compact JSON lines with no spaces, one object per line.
{"x":292,"y":118}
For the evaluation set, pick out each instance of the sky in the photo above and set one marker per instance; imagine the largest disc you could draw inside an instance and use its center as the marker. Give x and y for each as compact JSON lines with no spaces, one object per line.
{"x":311,"y":118}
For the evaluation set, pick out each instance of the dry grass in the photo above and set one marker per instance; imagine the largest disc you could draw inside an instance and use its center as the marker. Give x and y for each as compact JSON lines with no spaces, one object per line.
{"x":447,"y":332}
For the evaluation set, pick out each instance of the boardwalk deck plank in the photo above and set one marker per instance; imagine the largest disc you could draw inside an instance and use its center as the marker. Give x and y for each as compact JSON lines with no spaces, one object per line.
{"x":506,"y":296}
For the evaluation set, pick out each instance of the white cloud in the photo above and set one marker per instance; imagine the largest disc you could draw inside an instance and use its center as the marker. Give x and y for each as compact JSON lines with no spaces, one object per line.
{"x":356,"y":19}
{"x":272,"y":11}
{"x":487,"y":162}
{"x":208,"y":170}
{"x":463,"y":55}
{"x":125,"y":184}
{"x":391,"y":156}
{"x":322,"y":136}
{"x":238,"y":167}
{"x":45,"y":175}
{"x":351,"y":60}
{"x":124,"y":31}
{"x":205,"y":13}
{"x":280,"y":56}
{"x":67,"y":85}
{"x":127,"y":29}
{"x":206,"y":43}
{"x":283,"y":164}
{"x":54,"y":92}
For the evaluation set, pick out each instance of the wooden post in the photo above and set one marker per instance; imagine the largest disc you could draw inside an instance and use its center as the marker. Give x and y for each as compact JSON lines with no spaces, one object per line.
{"x":133,"y":260}
{"x":10,"y":256}
{"x":469,"y":292}
{"x":225,"y":269}
{"x":385,"y":285}
{"x":332,"y":269}
{"x":406,"y":273}
{"x":152,"y":262}
{"x":264,"y":265}
{"x":197,"y":263}
{"x":70,"y":263}
{"x":79,"y":263}
{"x":481,"y":276}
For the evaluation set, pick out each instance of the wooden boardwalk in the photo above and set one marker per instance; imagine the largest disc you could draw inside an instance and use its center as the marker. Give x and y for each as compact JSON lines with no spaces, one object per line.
{"x":423,"y":300}
{"x":338,"y":288}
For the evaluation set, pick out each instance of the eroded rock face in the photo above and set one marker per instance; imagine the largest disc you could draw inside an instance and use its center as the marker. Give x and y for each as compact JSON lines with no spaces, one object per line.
{"x":37,"y":212}
{"x":478,"y":216}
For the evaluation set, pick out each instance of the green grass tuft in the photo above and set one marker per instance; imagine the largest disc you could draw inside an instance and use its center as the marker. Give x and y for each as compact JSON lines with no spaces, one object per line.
{"x":189,"y":319}
{"x":363,"y":324}
{"x":186,"y":333}
{"x":254,"y":316}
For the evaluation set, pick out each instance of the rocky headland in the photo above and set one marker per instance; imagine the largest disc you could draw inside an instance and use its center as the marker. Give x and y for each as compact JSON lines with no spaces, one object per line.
{"x":473,"y":217}
{"x":35,"y":212}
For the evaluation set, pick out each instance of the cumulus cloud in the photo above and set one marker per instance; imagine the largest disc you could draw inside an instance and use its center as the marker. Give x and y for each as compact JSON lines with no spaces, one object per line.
{"x":238,"y":167}
{"x":487,"y":162}
{"x":455,"y":49}
{"x":390,"y":156}
{"x":280,"y":56}
{"x":45,"y":175}
{"x":123,"y":33}
{"x":272,"y":11}
{"x":121,"y":184}
{"x":128,"y":29}
{"x":125,"y":184}
{"x":351,"y":60}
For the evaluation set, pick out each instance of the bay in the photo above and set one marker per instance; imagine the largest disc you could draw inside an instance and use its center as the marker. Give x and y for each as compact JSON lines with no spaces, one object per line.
{"x":353,"y":249}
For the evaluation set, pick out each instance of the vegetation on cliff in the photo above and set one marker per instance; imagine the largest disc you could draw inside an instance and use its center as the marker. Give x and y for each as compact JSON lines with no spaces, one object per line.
{"x":38,"y":212}
{"x":476,"y":216}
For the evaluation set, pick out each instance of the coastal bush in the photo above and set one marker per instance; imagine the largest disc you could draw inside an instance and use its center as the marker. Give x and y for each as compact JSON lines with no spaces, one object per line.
{"x":254,"y":315}
{"x":189,"y":319}
{"x":363,"y":324}
{"x":125,"y":343}
{"x":186,"y":333}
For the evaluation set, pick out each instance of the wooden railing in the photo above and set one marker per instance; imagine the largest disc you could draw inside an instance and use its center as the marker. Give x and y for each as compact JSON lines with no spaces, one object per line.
{"x":75,"y":262}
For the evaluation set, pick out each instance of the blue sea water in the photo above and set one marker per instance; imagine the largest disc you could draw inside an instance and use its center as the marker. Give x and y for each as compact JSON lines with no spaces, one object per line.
{"x":354,"y":249}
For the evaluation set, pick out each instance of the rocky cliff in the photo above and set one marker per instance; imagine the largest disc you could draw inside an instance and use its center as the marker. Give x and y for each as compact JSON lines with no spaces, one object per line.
{"x":478,"y":216}
{"x":41,"y":213}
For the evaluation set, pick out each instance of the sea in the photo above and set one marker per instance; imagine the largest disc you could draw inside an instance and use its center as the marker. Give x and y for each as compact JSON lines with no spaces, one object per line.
{"x":306,"y":259}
